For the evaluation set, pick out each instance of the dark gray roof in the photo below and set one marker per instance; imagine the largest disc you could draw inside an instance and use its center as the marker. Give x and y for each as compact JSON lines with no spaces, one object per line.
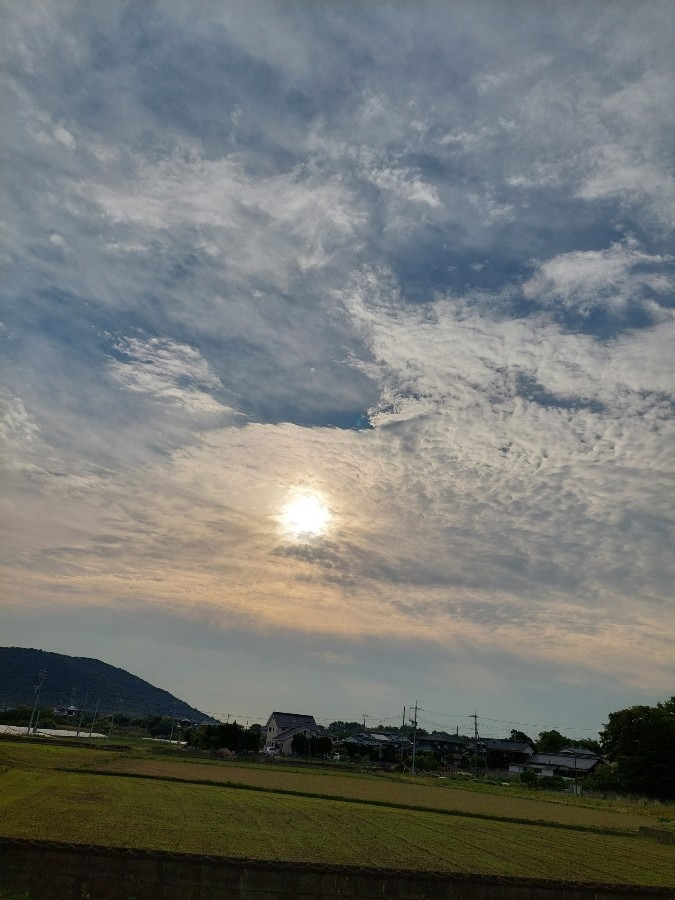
{"x":291,"y":720}
{"x":583,"y":764}
{"x":578,"y":752}
{"x":370,"y":739}
{"x":297,"y":729}
{"x":515,"y":746}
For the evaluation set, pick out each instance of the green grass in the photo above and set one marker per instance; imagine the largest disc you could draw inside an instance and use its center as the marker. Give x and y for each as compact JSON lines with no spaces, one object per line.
{"x":392,"y":788}
{"x":39,"y":801}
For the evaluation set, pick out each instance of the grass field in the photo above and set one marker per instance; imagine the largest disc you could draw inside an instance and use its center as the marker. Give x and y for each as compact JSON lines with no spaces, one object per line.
{"x":393,"y":788}
{"x":38,"y":800}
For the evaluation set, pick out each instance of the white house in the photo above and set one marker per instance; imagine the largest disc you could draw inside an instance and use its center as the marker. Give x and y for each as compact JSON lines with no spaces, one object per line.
{"x":282,"y":727}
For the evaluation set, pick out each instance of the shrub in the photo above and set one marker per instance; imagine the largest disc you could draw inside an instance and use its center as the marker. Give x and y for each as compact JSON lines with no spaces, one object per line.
{"x":552,"y":783}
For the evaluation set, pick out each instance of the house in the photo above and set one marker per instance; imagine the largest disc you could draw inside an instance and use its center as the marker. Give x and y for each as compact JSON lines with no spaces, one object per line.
{"x":570,"y":762}
{"x":69,"y":711}
{"x":447,"y":747}
{"x":378,"y":744}
{"x":500,"y":754}
{"x":282,"y":727}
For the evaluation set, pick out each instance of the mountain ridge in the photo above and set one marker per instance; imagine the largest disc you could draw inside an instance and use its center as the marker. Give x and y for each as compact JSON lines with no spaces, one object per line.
{"x":71,"y":679}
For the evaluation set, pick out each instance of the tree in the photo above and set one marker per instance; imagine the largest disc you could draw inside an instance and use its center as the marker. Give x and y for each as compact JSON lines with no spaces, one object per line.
{"x":19,"y":715}
{"x":640,"y":740}
{"x":159,"y":726}
{"x":521,"y":737}
{"x":344,"y":729}
{"x":352,"y":750}
{"x":551,"y":742}
{"x":551,"y":783}
{"x":590,"y":744}
{"x":320,"y":745}
{"x":300,"y":744}
{"x":228,"y":735}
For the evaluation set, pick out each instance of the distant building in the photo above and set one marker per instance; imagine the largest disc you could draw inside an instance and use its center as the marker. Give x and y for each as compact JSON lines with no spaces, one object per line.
{"x":282,"y":727}
{"x":500,"y":754}
{"x":447,"y":747}
{"x":388,"y":745}
{"x":70,"y":711}
{"x":570,"y":762}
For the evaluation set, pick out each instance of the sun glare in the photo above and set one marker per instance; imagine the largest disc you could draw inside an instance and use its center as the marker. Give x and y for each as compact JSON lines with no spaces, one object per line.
{"x":305,"y":515}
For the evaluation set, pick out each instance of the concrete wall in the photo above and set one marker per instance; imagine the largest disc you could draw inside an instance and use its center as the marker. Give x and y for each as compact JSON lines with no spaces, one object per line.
{"x":51,"y":871}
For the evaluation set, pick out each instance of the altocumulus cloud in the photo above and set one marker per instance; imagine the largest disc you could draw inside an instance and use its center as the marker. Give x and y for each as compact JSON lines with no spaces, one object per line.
{"x":418,"y":262}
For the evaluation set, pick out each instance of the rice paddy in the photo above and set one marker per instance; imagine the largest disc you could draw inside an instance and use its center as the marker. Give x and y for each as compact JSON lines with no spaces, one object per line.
{"x":83,"y":805}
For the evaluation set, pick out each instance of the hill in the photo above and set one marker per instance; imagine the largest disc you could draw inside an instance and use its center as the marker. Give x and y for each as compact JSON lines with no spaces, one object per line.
{"x":70,"y":678}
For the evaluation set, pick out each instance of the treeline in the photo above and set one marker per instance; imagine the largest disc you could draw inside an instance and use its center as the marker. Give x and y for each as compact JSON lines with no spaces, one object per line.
{"x":639,"y":744}
{"x":225,"y":735}
{"x":553,"y":742}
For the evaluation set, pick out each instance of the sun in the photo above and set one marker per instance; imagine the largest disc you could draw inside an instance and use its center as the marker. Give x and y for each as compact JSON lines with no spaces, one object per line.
{"x":305,"y":515}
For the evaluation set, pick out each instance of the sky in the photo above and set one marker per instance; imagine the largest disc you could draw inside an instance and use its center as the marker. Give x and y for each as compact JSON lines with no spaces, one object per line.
{"x":337,"y":354}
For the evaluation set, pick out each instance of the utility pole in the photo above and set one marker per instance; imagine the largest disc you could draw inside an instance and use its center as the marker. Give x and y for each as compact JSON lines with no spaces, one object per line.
{"x":91,"y":727}
{"x":414,"y":723}
{"x":37,"y":687}
{"x":364,"y":721}
{"x":173,"y":720}
{"x":112,"y":718}
{"x":475,"y":742}
{"x":84,"y":706}
{"x":402,"y":734}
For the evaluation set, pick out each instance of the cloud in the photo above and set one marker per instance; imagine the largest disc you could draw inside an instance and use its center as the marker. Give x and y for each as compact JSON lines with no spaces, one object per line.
{"x":615,"y":279}
{"x":420,"y":264}
{"x":173,"y":372}
{"x":327,"y":657}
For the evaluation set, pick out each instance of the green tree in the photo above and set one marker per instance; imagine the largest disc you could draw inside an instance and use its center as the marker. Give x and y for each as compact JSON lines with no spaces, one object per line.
{"x":300,"y":744}
{"x":342,"y":729}
{"x":20,"y":715}
{"x":320,"y":745}
{"x":425,"y":762}
{"x":159,"y":726}
{"x":552,"y":783}
{"x":640,"y":740}
{"x":551,"y":742}
{"x":521,"y":736}
{"x":603,"y":778}
{"x":589,"y":744}
{"x":229,"y":735}
{"x":352,"y":750}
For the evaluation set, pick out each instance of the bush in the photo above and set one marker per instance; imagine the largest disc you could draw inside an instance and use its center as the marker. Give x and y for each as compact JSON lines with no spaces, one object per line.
{"x":604,"y":778}
{"x":552,"y":783}
{"x":529,"y":778}
{"x":424,"y":762}
{"x":20,"y":715}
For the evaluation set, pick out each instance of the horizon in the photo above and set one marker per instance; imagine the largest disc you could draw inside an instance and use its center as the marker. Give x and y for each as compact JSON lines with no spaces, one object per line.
{"x":338,"y":353}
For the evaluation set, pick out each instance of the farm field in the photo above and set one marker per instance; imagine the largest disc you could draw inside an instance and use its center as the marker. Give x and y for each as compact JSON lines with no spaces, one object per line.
{"x":39,"y":801}
{"x":433,"y":794}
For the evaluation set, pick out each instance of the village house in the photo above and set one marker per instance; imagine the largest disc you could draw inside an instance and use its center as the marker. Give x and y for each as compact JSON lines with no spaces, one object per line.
{"x":570,"y":762}
{"x":68,"y":711}
{"x":282,"y":727}
{"x":500,"y":755}
{"x":447,"y":747}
